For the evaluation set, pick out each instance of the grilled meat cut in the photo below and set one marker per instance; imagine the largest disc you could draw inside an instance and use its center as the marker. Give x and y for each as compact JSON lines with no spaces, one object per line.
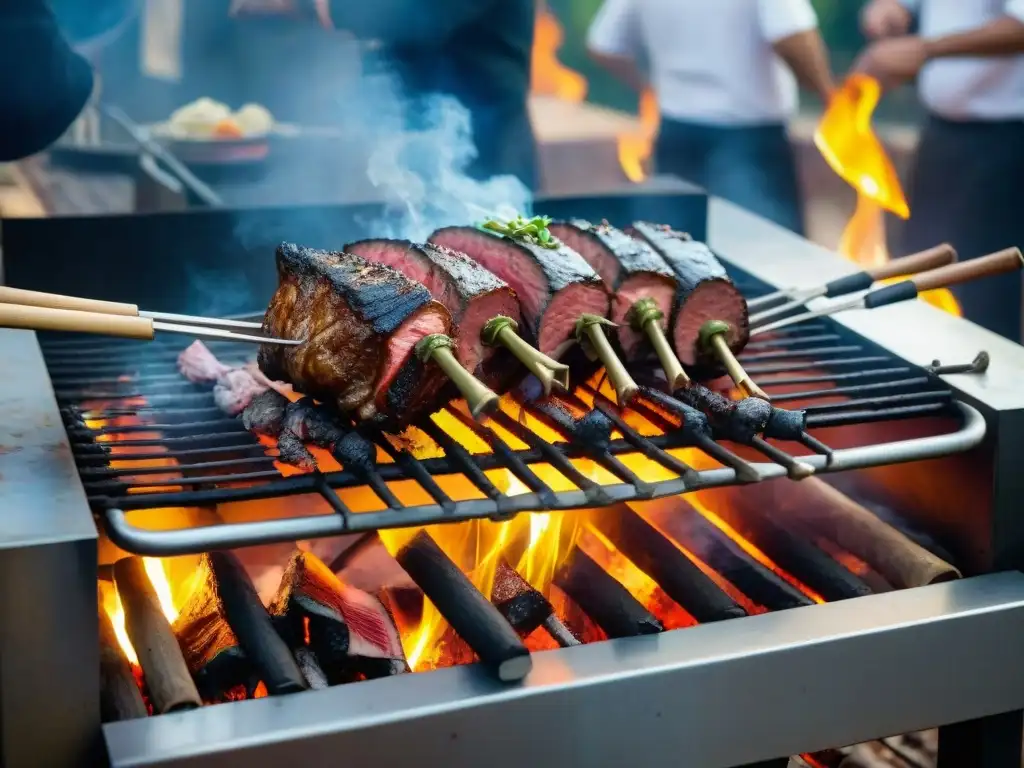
{"x":630,"y":268}
{"x":705,"y":293}
{"x":554,"y":285}
{"x":469,"y":292}
{"x":361,"y":323}
{"x":233,"y":387}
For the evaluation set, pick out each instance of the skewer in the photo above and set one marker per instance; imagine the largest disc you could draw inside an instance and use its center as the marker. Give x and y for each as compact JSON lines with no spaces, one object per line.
{"x":57,"y":301}
{"x":503,"y":331}
{"x":644,"y":316}
{"x":597,"y":347}
{"x":922,"y":261}
{"x":438,"y":348}
{"x":1007,"y":260}
{"x":35,"y":318}
{"x":712,"y":335}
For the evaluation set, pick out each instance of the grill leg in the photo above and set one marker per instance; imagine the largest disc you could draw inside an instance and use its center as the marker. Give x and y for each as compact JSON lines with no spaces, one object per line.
{"x":990,"y":742}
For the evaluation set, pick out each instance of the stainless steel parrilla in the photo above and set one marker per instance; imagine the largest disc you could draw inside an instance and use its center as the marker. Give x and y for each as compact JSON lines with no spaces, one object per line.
{"x":121,"y":380}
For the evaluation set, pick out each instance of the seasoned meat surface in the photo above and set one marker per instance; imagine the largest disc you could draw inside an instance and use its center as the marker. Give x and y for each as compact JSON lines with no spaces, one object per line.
{"x":361,"y":323}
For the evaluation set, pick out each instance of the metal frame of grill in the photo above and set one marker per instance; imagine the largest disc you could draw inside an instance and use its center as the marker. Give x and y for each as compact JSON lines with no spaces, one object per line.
{"x":893,"y":392}
{"x":714,"y":695}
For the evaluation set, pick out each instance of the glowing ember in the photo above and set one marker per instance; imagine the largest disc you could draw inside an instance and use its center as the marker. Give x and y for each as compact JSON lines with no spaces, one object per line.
{"x":634,"y":148}
{"x":847,"y":141}
{"x":549,"y":77}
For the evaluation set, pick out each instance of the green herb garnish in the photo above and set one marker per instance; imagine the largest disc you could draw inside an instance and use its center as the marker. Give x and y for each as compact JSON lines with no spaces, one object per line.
{"x":534,"y":231}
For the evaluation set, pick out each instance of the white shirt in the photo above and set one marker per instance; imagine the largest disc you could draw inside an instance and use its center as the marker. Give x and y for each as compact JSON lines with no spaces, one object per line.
{"x":711,"y":61}
{"x":970,"y":88}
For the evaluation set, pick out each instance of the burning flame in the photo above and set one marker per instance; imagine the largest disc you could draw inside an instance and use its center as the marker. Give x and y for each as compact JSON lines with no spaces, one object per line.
{"x":849,"y":145}
{"x":634,"y":148}
{"x":112,"y":604}
{"x":549,"y":77}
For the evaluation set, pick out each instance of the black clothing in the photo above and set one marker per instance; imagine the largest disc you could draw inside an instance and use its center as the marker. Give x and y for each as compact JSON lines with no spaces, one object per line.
{"x":43,"y":83}
{"x":475,"y":50}
{"x":751,"y":166}
{"x":965,"y":190}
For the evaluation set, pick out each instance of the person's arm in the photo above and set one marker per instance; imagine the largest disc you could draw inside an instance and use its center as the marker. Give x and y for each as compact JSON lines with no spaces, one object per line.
{"x":791,"y":26}
{"x":900,"y":59}
{"x":887,"y":18}
{"x":44,"y":84}
{"x":615,"y":42}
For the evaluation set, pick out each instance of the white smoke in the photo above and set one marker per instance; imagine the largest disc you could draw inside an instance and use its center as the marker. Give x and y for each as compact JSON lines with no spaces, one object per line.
{"x":421,"y":172}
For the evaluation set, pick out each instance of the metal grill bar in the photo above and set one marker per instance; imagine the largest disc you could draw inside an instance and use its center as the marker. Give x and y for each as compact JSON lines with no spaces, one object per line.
{"x":209,"y":459}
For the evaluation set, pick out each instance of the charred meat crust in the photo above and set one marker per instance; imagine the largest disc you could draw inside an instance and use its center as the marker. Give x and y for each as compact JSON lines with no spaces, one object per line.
{"x":632,"y":256}
{"x":465,"y":278}
{"x":347,"y":311}
{"x":696,"y":268}
{"x":558,"y":267}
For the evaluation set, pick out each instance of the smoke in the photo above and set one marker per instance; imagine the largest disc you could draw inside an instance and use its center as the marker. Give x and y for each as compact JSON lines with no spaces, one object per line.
{"x":419,"y":164}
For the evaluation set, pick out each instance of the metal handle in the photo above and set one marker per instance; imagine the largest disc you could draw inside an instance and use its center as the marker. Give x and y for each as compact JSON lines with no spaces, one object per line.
{"x":74,"y":321}
{"x":57,"y":301}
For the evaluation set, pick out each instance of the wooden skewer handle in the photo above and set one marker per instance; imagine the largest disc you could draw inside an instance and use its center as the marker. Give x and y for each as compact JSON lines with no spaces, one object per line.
{"x":922,"y":261}
{"x":57,"y":301}
{"x":1007,"y":260}
{"x":74,"y":321}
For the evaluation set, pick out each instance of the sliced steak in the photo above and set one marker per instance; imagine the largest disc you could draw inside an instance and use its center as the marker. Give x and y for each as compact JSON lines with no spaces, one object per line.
{"x":554,"y":285}
{"x":361,"y":323}
{"x":631,"y":270}
{"x":705,"y":293}
{"x":470,"y":293}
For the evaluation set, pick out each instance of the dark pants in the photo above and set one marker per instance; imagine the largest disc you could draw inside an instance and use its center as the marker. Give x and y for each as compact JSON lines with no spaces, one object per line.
{"x":751,"y":166}
{"x":966,"y":190}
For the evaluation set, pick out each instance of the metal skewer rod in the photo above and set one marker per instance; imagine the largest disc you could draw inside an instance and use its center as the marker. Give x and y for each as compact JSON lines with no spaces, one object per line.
{"x":123,"y":326}
{"x":26,"y":298}
{"x":859,"y":280}
{"x":1007,"y":260}
{"x":923,"y":261}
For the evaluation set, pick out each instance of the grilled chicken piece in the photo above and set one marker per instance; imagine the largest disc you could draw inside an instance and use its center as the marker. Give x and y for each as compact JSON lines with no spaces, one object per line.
{"x":361,"y":323}
{"x":470,"y":293}
{"x":704,"y":293}
{"x":631,"y":270}
{"x":554,"y":285}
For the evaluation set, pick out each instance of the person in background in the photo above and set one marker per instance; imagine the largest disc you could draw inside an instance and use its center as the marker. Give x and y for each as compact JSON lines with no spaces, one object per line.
{"x":725,"y":75}
{"x":965,"y":183}
{"x":44,"y":84}
{"x":475,"y":50}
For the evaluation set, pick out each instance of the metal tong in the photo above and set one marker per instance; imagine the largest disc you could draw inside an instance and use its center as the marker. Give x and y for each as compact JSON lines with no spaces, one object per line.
{"x":37,"y":311}
{"x":1006,"y":260}
{"x":793,"y":298}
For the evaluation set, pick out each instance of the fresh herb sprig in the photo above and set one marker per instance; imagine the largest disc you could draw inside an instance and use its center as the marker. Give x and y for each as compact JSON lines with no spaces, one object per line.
{"x":534,"y":231}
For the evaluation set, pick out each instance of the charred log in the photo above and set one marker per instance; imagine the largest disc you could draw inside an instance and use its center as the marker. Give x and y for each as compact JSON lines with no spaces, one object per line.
{"x":252,"y":625}
{"x":120,"y":697}
{"x":525,"y":608}
{"x":714,"y":547}
{"x":167,"y":677}
{"x":603,"y":599}
{"x":660,"y":559}
{"x":469,"y":613}
{"x":348,"y":631}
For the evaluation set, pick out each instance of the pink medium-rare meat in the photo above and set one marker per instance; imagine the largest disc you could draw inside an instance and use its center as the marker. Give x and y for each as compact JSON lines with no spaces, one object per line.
{"x":360,"y":323}
{"x":470,"y":293}
{"x":705,"y":293}
{"x":631,"y":270}
{"x":233,"y":388}
{"x":554,"y":285}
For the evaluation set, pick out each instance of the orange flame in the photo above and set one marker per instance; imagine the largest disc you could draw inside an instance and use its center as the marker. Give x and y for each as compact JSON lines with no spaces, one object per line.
{"x":849,"y":145}
{"x":634,"y":147}
{"x":157,"y":574}
{"x":549,"y":77}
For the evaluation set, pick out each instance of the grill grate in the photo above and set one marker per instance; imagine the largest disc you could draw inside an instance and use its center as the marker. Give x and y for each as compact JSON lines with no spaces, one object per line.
{"x":215,"y":460}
